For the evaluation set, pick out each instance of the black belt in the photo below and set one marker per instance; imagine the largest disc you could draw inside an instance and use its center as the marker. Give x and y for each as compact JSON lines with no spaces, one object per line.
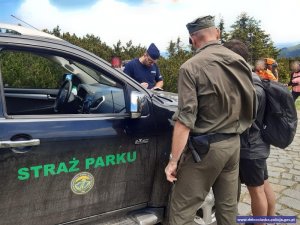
{"x":199,"y":144}
{"x":216,"y":137}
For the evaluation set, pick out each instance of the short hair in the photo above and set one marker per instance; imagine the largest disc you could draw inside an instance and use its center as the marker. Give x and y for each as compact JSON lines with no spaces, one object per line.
{"x":295,"y":66}
{"x":200,"y":34}
{"x":238,"y":47}
{"x":260,"y":64}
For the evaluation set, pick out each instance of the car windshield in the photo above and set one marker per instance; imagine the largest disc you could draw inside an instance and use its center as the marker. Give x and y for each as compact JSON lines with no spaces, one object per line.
{"x":86,"y":73}
{"x":98,"y":76}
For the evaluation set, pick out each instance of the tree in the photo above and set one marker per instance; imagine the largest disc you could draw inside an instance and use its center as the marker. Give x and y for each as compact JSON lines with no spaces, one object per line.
{"x":129,"y":51}
{"x":248,"y":30}
{"x":56,"y":31}
{"x":169,"y":67}
{"x":117,"y":49}
{"x":223,"y":33}
{"x":283,"y":70}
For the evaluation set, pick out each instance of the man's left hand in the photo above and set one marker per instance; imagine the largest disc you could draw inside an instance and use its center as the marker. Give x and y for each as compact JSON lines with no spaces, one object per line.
{"x":145,"y":85}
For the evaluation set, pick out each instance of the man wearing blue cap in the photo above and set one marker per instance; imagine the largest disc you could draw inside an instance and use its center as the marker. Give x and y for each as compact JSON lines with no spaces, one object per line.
{"x":144,"y":69}
{"x":216,"y":102}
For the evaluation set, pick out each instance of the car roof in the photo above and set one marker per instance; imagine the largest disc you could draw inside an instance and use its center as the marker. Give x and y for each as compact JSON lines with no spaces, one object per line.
{"x":20,"y":30}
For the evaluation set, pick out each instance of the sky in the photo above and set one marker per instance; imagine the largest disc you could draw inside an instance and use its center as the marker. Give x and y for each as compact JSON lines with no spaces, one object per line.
{"x":147,"y":21}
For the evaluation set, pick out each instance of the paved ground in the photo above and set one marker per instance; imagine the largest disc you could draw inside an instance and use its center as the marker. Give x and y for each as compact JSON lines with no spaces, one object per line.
{"x":284,"y":176}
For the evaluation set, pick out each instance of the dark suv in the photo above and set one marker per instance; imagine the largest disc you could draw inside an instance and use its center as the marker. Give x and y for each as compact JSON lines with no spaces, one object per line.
{"x":81,"y":142}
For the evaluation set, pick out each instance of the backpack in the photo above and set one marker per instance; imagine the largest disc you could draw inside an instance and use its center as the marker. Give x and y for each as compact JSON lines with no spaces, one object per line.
{"x":280,"y":118}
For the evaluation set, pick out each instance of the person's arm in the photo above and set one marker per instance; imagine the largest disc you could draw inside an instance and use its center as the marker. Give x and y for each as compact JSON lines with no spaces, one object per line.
{"x":159,"y":79}
{"x":296,"y":80}
{"x":159,"y":84}
{"x":180,"y":137}
{"x":185,"y":118}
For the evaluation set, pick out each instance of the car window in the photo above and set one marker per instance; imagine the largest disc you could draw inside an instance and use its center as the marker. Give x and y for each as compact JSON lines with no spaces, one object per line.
{"x":26,"y":70}
{"x":46,"y":84}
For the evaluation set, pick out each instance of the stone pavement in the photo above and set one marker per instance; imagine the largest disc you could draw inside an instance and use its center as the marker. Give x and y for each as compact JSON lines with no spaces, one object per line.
{"x":284,"y":176}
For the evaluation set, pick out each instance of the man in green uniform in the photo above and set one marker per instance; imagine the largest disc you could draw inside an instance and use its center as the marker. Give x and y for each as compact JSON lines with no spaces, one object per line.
{"x":216,"y":103}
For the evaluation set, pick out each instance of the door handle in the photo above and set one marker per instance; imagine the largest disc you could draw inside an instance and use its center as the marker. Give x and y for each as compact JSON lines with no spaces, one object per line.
{"x":16,"y":144}
{"x":51,"y":97}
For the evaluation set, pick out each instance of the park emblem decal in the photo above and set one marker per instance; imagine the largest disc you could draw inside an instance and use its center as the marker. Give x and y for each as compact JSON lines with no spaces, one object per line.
{"x":82,"y":183}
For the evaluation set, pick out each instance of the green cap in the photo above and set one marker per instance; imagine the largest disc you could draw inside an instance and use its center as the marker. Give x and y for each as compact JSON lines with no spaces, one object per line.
{"x":201,"y":23}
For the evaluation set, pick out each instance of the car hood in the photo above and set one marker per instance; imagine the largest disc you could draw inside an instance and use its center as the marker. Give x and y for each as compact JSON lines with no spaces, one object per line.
{"x":167,"y":98}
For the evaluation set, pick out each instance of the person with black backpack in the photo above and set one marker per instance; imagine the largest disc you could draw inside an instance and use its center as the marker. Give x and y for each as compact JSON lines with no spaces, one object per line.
{"x":254,"y":151}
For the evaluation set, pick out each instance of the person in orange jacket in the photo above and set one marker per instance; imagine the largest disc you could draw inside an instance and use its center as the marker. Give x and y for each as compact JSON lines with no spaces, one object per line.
{"x":267,"y":69}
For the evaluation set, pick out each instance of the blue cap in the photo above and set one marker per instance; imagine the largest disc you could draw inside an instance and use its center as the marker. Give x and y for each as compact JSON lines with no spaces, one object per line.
{"x":153,"y":51}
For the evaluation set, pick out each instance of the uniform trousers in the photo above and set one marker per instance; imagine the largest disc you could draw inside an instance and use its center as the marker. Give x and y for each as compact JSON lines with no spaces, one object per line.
{"x":218,"y":169}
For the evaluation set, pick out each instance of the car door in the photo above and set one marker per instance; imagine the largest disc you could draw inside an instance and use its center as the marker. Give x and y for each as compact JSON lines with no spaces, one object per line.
{"x":61,"y":167}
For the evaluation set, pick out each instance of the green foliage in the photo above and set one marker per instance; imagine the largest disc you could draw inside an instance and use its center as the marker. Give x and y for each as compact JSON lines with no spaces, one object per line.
{"x":129,"y":51}
{"x":90,"y":43}
{"x":298,"y":104}
{"x":283,"y":70}
{"x":224,"y":35}
{"x":94,"y":44}
{"x":25,"y":70}
{"x":169,"y":66}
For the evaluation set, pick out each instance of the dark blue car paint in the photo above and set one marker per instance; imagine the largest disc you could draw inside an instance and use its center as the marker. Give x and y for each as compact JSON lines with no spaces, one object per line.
{"x":48,"y":199}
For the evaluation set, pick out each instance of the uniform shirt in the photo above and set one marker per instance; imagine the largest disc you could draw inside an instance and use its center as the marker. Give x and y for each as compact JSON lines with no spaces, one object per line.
{"x":215,"y":92}
{"x":142,"y":73}
{"x":252,"y":144}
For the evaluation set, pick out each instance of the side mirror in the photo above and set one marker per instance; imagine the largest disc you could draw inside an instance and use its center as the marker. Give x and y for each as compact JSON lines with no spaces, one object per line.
{"x":138,"y":104}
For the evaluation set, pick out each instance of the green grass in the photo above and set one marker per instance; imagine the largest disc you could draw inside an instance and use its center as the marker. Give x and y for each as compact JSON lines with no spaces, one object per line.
{"x":298,"y":104}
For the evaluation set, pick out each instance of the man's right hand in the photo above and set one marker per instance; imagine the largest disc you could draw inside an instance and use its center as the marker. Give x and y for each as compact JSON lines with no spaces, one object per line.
{"x":179,"y":140}
{"x":170,"y":171}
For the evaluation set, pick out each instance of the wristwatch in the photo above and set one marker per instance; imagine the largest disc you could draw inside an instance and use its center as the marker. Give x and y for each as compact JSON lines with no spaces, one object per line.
{"x":171,"y":158}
